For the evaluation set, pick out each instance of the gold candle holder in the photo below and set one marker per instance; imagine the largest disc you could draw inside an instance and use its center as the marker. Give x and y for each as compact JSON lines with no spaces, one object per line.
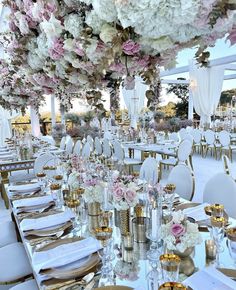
{"x":139,"y":226}
{"x":103,"y":234}
{"x":55,"y":186}
{"x":217,"y":209}
{"x":41,"y":174}
{"x":58,"y":177}
{"x":208,"y":210}
{"x":218,"y":222}
{"x":128,"y":242}
{"x":231,"y":234}
{"x":170,"y":188}
{"x":211,"y":249}
{"x":172,"y":286}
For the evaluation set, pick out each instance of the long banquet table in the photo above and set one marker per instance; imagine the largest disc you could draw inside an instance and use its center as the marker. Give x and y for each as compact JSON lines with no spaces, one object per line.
{"x":138,"y":262}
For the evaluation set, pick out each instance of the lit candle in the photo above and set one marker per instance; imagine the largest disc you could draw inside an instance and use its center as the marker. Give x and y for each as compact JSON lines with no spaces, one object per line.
{"x":154,"y":221}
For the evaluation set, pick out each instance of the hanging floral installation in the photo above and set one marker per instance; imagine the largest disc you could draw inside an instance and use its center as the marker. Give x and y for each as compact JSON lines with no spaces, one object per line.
{"x":84,"y":44}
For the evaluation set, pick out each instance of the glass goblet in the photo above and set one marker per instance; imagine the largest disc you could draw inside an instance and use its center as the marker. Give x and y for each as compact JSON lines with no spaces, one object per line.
{"x":73,"y":204}
{"x":56,"y":193}
{"x":41,"y":180}
{"x":169,"y":195}
{"x":231,"y":243}
{"x":170,"y":264}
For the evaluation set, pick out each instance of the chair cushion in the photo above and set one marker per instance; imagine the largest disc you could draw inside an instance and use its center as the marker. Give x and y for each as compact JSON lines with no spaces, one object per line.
{"x":132,"y":161}
{"x":21,"y":175}
{"x":8,"y":233}
{"x":14,"y":263}
{"x":169,"y":161}
{"x":28,"y":285}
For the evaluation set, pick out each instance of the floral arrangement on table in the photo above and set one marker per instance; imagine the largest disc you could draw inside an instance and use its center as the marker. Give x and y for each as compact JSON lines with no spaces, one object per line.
{"x":72,"y":45}
{"x":94,"y":190}
{"x":180,"y":234}
{"x":125,"y":192}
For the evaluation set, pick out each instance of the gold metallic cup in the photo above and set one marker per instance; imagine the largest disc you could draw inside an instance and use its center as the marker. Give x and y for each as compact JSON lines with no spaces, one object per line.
{"x":55,"y":186}
{"x":231,"y":234}
{"x":41,"y":174}
{"x":128,"y":242}
{"x":217,"y":210}
{"x":170,"y":188}
{"x":170,"y":264}
{"x":58,"y":177}
{"x":218,"y":222}
{"x":211,"y":249}
{"x":172,"y":286}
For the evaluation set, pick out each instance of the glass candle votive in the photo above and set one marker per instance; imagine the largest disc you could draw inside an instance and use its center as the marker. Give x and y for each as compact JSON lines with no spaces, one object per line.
{"x":170,"y":264}
{"x":211,"y":249}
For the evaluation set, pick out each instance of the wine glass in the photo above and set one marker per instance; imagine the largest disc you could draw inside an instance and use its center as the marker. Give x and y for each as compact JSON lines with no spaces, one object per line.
{"x":231,"y":243}
{"x":73,"y":203}
{"x":169,"y":196}
{"x":56,"y":193}
{"x":41,"y":180}
{"x":170,"y":264}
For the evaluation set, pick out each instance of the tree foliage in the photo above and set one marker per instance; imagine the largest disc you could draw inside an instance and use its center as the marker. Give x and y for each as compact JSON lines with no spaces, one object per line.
{"x":226,"y":96}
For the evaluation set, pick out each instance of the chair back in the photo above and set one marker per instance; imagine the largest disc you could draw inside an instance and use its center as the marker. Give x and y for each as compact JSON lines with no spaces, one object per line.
{"x":182,"y":132}
{"x":197,"y":136}
{"x":48,"y":139}
{"x":77,"y":147}
{"x":184,"y":151}
{"x":98,"y":146}
{"x":69,"y":145}
{"x":227,"y":165}
{"x":174,"y":136}
{"x":45,"y":159}
{"x":86,"y":151}
{"x":224,"y":138}
{"x":63,"y":143}
{"x":221,"y":188}
{"x":91,"y":142}
{"x":149,"y":170}
{"x":118,"y":150}
{"x":182,"y":176}
{"x":107,"y":148}
{"x":210,"y":137}
{"x":188,"y":137}
{"x":108,"y":135}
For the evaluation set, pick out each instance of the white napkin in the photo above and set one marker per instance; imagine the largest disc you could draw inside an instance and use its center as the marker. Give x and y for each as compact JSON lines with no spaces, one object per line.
{"x":32,"y":201}
{"x":212,"y":279}
{"x":24,"y":188}
{"x":64,"y":254}
{"x":6,"y":157}
{"x":47,"y":221}
{"x":196,"y":212}
{"x":4,"y":153}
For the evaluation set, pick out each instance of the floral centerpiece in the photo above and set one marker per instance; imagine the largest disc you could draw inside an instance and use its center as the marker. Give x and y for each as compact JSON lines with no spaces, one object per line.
{"x":94,"y":190}
{"x":180,"y":234}
{"x":127,"y":271}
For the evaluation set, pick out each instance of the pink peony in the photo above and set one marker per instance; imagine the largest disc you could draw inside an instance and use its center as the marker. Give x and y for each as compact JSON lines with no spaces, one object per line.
{"x":130,"y":195}
{"x":130,"y":47}
{"x":232,"y":36}
{"x":56,"y":51}
{"x":177,"y":230}
{"x":118,"y":193}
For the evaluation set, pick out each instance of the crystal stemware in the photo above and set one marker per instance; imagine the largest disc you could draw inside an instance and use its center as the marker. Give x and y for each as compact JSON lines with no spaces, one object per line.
{"x":170,"y":264}
{"x":169,"y":195}
{"x":73,"y":204}
{"x":231,"y":243}
{"x":56,"y":193}
{"x":41,"y":180}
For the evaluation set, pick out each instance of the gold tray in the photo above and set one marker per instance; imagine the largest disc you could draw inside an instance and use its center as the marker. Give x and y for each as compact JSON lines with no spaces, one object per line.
{"x":62,"y":274}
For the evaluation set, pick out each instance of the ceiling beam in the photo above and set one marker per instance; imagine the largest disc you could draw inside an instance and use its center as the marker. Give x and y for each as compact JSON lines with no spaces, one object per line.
{"x":230,"y":77}
{"x":215,"y":62}
{"x":231,"y":66}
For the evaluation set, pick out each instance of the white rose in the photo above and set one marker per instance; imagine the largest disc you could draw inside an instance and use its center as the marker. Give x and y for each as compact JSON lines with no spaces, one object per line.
{"x":94,"y":21}
{"x":107,"y":33}
{"x":22,"y":23}
{"x":159,"y":44}
{"x":74,"y":24}
{"x":51,"y":28}
{"x":34,"y":61}
{"x":69,"y":44}
{"x":36,"y":10}
{"x":105,"y":9}
{"x":42,"y":49}
{"x":91,"y":48}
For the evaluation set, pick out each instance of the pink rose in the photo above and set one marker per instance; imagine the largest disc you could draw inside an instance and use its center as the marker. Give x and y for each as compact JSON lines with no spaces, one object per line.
{"x":57,"y":49}
{"x":118,"y":193}
{"x":130,"y":195}
{"x":232,"y":36}
{"x":130,"y":47}
{"x":177,"y":230}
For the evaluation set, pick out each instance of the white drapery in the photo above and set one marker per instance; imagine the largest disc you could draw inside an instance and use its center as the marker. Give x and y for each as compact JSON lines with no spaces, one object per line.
{"x":206,"y":85}
{"x":5,"y":124}
{"x":35,"y":125}
{"x":134,"y":100}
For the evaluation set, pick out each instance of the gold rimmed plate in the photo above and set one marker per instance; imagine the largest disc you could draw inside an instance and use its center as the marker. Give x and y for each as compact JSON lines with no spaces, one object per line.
{"x":75,"y":269}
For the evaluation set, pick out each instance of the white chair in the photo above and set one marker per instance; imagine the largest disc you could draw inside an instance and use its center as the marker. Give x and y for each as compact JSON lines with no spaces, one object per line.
{"x":8,"y":233}
{"x":98,"y":146}
{"x":227,"y":165}
{"x":108,"y":135}
{"x":46,"y":159}
{"x":69,"y":146}
{"x":63,"y":143}
{"x":174,"y":136}
{"x":183,"y":155}
{"x":77,"y":147}
{"x":27,"y":285}
{"x":197,"y":138}
{"x":95,"y":123}
{"x":221,"y":188}
{"x":210,"y":143}
{"x":14,"y":263}
{"x":224,"y":138}
{"x":106,"y":149}
{"x":91,"y":142}
{"x":86,"y":151}
{"x":149,"y":170}
{"x":182,"y":133}
{"x":48,"y":139}
{"x":21,"y":175}
{"x":182,"y":176}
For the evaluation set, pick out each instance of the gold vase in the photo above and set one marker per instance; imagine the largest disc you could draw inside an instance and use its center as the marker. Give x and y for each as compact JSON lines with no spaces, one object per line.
{"x":124,"y":221}
{"x":184,"y":254}
{"x":93,"y":222}
{"x":94,"y":209}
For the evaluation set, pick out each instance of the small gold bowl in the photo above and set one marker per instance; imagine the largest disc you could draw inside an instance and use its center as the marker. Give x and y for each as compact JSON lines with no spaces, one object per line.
{"x":172,"y":286}
{"x":170,"y":258}
{"x":170,"y":188}
{"x":231,"y":234}
{"x":55,"y":186}
{"x":58,"y":177}
{"x":41,"y":174}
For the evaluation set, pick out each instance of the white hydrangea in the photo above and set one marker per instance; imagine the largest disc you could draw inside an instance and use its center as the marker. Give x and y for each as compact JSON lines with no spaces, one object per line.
{"x":34,"y":61}
{"x":94,"y":193}
{"x":91,"y":48}
{"x":107,"y":33}
{"x":42,"y":49}
{"x":105,"y":9}
{"x":94,"y":21}
{"x":159,"y":44}
{"x":74,"y":24}
{"x":69,"y":44}
{"x":52,"y":28}
{"x":73,"y":180}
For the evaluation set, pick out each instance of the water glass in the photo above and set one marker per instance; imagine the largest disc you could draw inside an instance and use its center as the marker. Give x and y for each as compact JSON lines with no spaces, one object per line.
{"x":231,"y":243}
{"x":170,"y":264}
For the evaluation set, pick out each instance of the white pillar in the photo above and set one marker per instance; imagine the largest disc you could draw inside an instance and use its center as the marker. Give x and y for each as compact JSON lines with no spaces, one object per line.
{"x":63,"y":120}
{"x":190,"y":105}
{"x":35,"y":125}
{"x":53,"y":113}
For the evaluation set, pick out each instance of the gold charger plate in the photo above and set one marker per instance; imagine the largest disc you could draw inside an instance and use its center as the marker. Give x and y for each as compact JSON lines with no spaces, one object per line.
{"x":90,"y":265}
{"x":44,"y":233}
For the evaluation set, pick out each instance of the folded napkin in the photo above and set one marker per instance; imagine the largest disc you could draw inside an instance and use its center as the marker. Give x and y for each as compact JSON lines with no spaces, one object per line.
{"x":32,"y":201}
{"x":7,"y":157}
{"x":46,"y":221}
{"x":24,"y":188}
{"x":4,"y":153}
{"x":196,"y":212}
{"x":64,"y":254}
{"x":212,"y":279}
